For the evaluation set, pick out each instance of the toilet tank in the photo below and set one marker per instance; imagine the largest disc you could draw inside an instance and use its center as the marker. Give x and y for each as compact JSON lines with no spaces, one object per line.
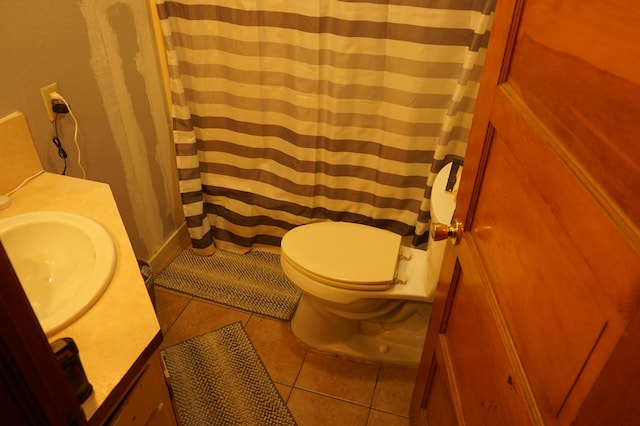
{"x":443,"y":204}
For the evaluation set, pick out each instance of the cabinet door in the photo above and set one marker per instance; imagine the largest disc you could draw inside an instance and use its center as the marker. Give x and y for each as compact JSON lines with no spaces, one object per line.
{"x":148,"y":402}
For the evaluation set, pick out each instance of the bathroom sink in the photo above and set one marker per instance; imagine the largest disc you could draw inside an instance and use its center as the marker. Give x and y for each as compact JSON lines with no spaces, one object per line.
{"x":64,"y":261}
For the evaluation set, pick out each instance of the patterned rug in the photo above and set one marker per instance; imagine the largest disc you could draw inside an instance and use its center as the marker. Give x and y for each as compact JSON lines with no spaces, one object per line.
{"x":253,"y":281}
{"x":218,"y":379}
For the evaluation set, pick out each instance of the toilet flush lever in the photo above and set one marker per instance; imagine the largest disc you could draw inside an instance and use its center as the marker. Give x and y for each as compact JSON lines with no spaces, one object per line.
{"x":453,"y":232}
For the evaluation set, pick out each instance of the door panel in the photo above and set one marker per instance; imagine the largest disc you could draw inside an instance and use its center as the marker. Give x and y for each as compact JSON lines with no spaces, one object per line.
{"x":488,"y":382}
{"x":440,"y":408}
{"x":574,"y":202}
{"x":573,"y":65}
{"x":539,"y":286}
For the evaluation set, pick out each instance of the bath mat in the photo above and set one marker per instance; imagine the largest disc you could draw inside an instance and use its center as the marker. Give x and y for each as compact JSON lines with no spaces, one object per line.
{"x":219,"y":379}
{"x":253,"y":281}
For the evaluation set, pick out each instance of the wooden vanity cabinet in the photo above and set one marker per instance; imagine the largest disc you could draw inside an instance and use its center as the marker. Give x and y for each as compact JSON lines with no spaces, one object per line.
{"x":148,"y":402}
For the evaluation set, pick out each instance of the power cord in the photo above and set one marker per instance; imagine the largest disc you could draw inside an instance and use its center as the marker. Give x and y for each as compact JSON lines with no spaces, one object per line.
{"x":24,"y":182}
{"x":56,"y":141}
{"x":59,"y":97}
{"x":5,"y":201}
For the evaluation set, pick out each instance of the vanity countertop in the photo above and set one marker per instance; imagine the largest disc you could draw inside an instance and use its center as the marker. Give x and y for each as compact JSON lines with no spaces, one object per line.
{"x":122,"y":325}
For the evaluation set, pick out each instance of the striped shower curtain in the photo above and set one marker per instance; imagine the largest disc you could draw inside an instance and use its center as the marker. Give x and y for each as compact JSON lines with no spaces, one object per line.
{"x":287,"y":112}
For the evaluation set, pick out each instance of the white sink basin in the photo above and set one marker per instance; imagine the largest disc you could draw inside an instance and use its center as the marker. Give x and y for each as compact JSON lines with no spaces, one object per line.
{"x":64,"y":262}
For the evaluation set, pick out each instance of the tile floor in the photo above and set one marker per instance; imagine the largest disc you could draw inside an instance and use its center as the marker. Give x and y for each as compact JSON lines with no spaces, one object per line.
{"x":320,"y":389}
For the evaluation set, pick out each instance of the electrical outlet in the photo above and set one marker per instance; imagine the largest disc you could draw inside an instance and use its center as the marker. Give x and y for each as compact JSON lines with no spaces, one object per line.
{"x":45,"y":91}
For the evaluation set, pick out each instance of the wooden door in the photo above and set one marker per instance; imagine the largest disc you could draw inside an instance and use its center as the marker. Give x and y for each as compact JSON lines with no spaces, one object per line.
{"x":535,"y":319}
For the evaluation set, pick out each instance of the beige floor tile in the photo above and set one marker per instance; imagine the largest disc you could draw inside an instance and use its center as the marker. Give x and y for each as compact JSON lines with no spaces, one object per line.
{"x":281,"y":352}
{"x":394,"y":389}
{"x":311,"y":409}
{"x":200,"y":317}
{"x":169,"y":305}
{"x":379,"y":418}
{"x":338,"y":377}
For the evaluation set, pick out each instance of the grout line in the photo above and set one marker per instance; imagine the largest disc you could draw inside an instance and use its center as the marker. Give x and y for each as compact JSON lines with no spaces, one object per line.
{"x":375,"y":387}
{"x":244,"y":326}
{"x":295,"y":382}
{"x":179,"y":313}
{"x":337,"y":398}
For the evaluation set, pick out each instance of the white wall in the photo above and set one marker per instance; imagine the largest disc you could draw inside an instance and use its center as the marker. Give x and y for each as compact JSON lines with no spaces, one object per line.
{"x":102,"y":56}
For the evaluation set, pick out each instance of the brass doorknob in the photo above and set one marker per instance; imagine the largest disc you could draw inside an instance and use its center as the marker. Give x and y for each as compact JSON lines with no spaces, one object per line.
{"x":453,"y":232}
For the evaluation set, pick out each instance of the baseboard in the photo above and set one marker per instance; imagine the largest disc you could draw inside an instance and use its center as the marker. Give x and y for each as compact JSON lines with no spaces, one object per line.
{"x":176,"y":242}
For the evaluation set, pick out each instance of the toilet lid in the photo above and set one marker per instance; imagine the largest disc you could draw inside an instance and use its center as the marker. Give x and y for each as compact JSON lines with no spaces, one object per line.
{"x":344,"y":254}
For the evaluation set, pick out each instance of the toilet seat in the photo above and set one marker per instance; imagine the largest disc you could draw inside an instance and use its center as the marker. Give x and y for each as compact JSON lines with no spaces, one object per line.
{"x":387,"y":321}
{"x":343,"y":255}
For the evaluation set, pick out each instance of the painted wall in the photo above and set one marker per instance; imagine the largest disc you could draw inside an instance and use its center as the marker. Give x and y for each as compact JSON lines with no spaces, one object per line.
{"x":103,"y":58}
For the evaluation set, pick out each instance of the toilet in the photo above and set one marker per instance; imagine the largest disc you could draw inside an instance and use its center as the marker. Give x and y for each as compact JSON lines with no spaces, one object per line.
{"x":364,"y":294}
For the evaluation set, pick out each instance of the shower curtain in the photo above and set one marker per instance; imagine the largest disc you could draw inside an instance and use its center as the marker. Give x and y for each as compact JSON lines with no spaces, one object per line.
{"x":287,"y":112}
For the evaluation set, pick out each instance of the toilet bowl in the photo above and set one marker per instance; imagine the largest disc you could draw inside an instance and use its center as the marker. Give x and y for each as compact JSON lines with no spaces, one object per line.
{"x":364,"y":294}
